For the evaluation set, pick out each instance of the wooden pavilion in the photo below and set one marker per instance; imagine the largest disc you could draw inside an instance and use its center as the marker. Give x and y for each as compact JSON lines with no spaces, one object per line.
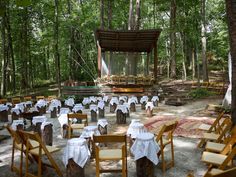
{"x":127,"y":41}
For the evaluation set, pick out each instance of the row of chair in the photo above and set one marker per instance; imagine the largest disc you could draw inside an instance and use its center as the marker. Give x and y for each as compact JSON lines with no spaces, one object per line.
{"x":17,"y":100}
{"x":219,"y":142}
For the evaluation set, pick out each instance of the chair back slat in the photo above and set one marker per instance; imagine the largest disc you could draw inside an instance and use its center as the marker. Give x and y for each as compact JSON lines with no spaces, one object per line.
{"x":109,"y":138}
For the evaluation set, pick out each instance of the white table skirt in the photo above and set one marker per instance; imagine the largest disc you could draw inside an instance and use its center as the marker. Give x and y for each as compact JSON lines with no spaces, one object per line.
{"x":15,"y":110}
{"x":64,"y":111}
{"x":102,"y":122}
{"x":145,"y":146}
{"x":93,"y":107}
{"x":15,"y":123}
{"x":155,"y":98}
{"x":78,"y":107}
{"x":78,"y":150}
{"x":149,"y":105}
{"x":144,"y":99}
{"x":89,"y":131}
{"x":93,"y":99}
{"x":105,"y":98}
{"x":45,"y":124}
{"x":70,"y":102}
{"x":123,"y":109}
{"x":101,"y":104}
{"x":135,"y":129}
{"x":20,"y":106}
{"x":86,"y":101}
{"x":114,"y":100}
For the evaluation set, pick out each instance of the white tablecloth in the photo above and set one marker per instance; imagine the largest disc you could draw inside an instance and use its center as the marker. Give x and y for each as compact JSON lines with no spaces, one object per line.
{"x":63,"y":119}
{"x":123,"y":109}
{"x":101,"y":104}
{"x":105,"y":98}
{"x":28,"y":103}
{"x":155,"y":98}
{"x":149,"y":105}
{"x":145,"y":146}
{"x":99,"y":99}
{"x":114,"y":100}
{"x":144,"y":99}
{"x":136,"y":128}
{"x":64,"y":111}
{"x":93,"y":99}
{"x":102,"y":122}
{"x":54,"y":104}
{"x":93,"y":107}
{"x":77,"y":149}
{"x":41,"y":103}
{"x":78,"y":107}
{"x":37,"y":119}
{"x":123,"y":98}
{"x":86,"y":101}
{"x":127,"y":106}
{"x":9,"y":104}
{"x":89,"y":131}
{"x":70,"y":102}
{"x":20,"y":106}
{"x":4,"y":108}
{"x":15,"y":123}
{"x":15,"y":110}
{"x":132,"y":100}
{"x":134,"y":121}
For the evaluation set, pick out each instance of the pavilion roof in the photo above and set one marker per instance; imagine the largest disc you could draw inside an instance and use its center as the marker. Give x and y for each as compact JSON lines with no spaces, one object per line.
{"x":127,"y":40}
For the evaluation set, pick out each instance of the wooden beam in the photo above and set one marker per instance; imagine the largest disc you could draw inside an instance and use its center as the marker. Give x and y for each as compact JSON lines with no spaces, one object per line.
{"x":99,"y":59}
{"x":155,"y":62}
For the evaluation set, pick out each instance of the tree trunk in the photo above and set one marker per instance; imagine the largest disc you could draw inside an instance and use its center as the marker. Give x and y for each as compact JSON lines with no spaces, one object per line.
{"x":102,"y":14}
{"x":4,"y":60}
{"x":110,"y":14}
{"x":137,"y":16}
{"x":173,"y":39}
{"x":56,"y":50}
{"x":193,"y":63}
{"x":231,"y":14}
{"x":130,"y":20}
{"x":203,"y":39}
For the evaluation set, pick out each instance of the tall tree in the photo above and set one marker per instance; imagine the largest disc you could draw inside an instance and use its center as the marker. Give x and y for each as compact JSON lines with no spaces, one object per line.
{"x":137,"y":15}
{"x":173,"y":39}
{"x":56,"y":48}
{"x":102,"y":14}
{"x":231,"y":14}
{"x":130,"y":20}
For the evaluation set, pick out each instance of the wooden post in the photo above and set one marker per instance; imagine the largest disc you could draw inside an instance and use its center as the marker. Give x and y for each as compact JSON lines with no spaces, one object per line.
{"x":99,"y":59}
{"x":155,"y":62}
{"x":147,"y":64}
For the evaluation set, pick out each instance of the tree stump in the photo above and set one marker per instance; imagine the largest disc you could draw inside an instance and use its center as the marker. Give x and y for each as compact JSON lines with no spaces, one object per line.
{"x":102,"y":130}
{"x":144,"y":167}
{"x":74,"y":170}
{"x":14,"y":116}
{"x":20,"y":127}
{"x":37,"y":128}
{"x":120,"y":117}
{"x":143,"y":105}
{"x":65,"y":131}
{"x":127,"y":114}
{"x":4,"y":116}
{"x":58,"y":109}
{"x":54,"y":113}
{"x":93,"y":116}
{"x":47,"y":133}
{"x":9,"y":110}
{"x":42,"y":110}
{"x":132,"y":107}
{"x":149,"y":112}
{"x":101,"y":112}
{"x":113,"y":107}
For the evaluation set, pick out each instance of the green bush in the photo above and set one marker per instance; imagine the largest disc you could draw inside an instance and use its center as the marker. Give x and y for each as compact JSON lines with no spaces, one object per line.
{"x":200,"y":93}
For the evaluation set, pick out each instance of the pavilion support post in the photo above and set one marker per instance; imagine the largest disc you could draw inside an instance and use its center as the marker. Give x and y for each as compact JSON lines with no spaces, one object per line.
{"x":155,"y":62}
{"x":99,"y":59}
{"x":147,"y":64}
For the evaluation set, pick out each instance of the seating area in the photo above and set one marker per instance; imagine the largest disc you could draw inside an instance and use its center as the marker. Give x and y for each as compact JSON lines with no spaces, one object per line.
{"x":74,"y":125}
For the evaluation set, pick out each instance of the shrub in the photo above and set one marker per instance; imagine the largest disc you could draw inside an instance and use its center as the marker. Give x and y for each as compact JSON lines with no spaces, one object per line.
{"x":200,"y":93}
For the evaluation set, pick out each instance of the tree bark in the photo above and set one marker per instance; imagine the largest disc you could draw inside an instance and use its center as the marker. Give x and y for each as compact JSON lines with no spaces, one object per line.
{"x":130,"y":20}
{"x":110,"y":14}
{"x":231,"y":15}
{"x":173,"y":39}
{"x":4,"y":60}
{"x":137,"y":16}
{"x":203,"y":39}
{"x":102,"y":14}
{"x":56,"y":49}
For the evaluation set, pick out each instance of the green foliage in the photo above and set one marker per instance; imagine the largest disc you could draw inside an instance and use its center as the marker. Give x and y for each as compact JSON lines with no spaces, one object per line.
{"x":200,"y":93}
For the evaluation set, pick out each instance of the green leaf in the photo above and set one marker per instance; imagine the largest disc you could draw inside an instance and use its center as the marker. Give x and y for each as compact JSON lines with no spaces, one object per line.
{"x":23,"y":3}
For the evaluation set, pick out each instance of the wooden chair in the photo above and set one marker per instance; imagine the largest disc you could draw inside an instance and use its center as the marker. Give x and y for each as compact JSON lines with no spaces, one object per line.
{"x":219,"y":135}
{"x":15,"y":100}
{"x":27,"y":98}
{"x":51,"y":97}
{"x":38,"y":152}
{"x":83,"y":118}
{"x":219,"y":160}
{"x":229,"y":142}
{"x":214,"y":126}
{"x":3,"y":101}
{"x":39,"y":98}
{"x":111,"y":154}
{"x":165,"y":137}
{"x":221,"y":173}
{"x":18,"y":145}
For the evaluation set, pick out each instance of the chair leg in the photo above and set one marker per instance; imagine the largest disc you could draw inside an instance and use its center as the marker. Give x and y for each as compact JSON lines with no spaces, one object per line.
{"x":163,"y":161}
{"x":97,"y":169}
{"x":12,"y":157}
{"x":200,"y":144}
{"x":172,"y":154}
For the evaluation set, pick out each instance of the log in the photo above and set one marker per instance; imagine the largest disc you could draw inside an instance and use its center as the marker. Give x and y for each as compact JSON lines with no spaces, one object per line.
{"x":93,"y":116}
{"x":9,"y":110}
{"x":113,"y":108}
{"x":65,"y":131}
{"x":101,"y":113}
{"x":144,"y":167}
{"x":58,"y":109}
{"x":149,"y":112}
{"x":127,"y":114}
{"x":37,"y":128}
{"x":155,"y":103}
{"x":102,"y":130}
{"x":47,"y":133}
{"x":4,"y":116}
{"x":120,"y":117}
{"x":20,"y":127}
{"x":54,"y":113}
{"x":42,"y":110}
{"x":74,"y":170}
{"x":143,"y":105}
{"x":132,"y":107}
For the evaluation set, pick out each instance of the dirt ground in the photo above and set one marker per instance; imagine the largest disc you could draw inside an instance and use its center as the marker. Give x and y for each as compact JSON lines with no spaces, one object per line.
{"x":187,"y":155}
